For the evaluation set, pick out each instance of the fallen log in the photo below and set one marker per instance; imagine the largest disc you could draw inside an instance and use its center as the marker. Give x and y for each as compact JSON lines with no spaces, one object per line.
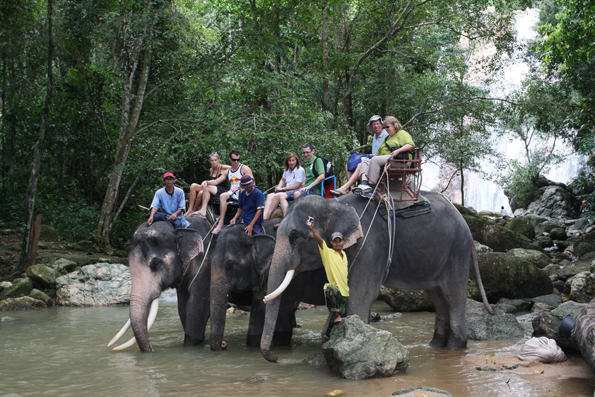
{"x":583,"y":334}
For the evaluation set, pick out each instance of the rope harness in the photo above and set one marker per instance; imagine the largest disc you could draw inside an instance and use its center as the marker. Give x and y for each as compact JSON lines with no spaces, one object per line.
{"x":391,"y":224}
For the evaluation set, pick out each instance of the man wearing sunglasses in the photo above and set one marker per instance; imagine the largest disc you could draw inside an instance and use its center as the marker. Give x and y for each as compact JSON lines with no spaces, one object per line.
{"x":234,"y":176}
{"x":313,"y":183}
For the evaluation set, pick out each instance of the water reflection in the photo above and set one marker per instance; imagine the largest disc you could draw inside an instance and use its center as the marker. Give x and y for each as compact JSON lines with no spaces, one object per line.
{"x":63,"y":351}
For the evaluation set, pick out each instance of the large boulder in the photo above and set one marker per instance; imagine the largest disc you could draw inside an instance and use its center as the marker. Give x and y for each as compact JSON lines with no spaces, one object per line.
{"x":582,"y":248}
{"x":22,"y":303}
{"x":43,"y":275}
{"x":41,"y":296}
{"x":523,"y":226}
{"x":547,"y":323}
{"x":505,"y":275}
{"x":20,"y":287}
{"x":358,"y":351}
{"x":558,"y":233}
{"x":48,"y":233}
{"x":64,"y":266}
{"x":554,"y":202}
{"x":95,"y":285}
{"x":536,"y":258}
{"x":582,"y":334}
{"x":514,"y":305}
{"x":495,"y":236}
{"x":580,"y":287}
{"x":483,"y":326}
{"x":406,"y":301}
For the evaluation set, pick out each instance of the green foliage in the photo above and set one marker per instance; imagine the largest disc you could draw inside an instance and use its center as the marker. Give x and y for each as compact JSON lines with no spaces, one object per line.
{"x":519,"y":184}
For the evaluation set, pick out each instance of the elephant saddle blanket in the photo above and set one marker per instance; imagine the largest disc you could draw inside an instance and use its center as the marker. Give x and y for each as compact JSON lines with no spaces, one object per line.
{"x":404,"y":209}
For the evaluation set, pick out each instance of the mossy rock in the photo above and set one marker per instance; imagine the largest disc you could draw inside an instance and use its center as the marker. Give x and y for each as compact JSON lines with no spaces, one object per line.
{"x":42,"y":275}
{"x":13,"y":247}
{"x":20,"y":287}
{"x":39,"y":295}
{"x":22,"y":303}
{"x":537,"y":258}
{"x":582,"y":248}
{"x":498,"y":238}
{"x":48,"y":233}
{"x":522,"y":226}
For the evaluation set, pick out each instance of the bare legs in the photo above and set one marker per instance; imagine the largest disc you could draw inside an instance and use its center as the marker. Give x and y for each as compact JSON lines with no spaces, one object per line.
{"x":222,"y":209}
{"x":207,"y":192}
{"x":194,"y":199}
{"x":284,"y":203}
{"x":271,"y":204}
{"x":352,"y":180}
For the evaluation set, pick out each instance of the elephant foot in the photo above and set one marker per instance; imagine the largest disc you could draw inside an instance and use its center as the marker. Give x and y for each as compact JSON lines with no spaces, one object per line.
{"x":438,"y":341}
{"x":282,"y":338}
{"x":253,"y":340}
{"x":217,"y":343}
{"x":190,"y":341}
{"x":456,"y":344}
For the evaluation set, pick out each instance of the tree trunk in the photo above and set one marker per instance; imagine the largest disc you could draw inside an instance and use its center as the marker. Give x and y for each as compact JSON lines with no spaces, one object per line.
{"x":127,"y":134}
{"x":462,"y":183}
{"x":325,"y":96}
{"x":583,"y":334}
{"x":32,"y":190}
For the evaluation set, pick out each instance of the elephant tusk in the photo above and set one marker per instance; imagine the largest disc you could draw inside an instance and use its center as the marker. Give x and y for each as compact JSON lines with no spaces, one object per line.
{"x":119,"y":334}
{"x":281,"y":288}
{"x":150,"y":321}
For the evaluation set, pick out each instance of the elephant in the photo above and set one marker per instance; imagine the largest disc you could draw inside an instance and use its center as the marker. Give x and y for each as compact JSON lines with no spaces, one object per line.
{"x":162,"y":258}
{"x":432,"y":252}
{"x":240,"y":264}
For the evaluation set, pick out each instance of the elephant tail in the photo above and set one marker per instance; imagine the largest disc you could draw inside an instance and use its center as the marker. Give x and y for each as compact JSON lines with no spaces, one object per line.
{"x":479,"y":283}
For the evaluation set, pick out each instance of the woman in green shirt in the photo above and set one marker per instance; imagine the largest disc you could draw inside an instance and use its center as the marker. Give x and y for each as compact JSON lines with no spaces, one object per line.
{"x":370,"y":171}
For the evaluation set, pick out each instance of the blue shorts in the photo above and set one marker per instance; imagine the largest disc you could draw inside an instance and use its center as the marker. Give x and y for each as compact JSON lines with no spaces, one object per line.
{"x":310,"y":191}
{"x":291,"y":193}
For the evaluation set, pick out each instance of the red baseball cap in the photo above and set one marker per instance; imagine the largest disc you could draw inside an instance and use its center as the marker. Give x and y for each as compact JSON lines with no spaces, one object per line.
{"x":168,"y":174}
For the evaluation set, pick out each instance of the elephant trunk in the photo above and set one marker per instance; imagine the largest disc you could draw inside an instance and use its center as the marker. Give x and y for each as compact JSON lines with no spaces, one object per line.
{"x":219,"y":294}
{"x":272,"y":310}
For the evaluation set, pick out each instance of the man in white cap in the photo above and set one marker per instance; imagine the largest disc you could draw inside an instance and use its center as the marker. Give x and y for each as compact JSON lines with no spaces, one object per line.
{"x":374,"y":125}
{"x":251,"y":204}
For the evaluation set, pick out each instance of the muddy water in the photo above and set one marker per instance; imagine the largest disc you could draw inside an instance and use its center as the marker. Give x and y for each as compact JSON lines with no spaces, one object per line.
{"x":62,"y":352}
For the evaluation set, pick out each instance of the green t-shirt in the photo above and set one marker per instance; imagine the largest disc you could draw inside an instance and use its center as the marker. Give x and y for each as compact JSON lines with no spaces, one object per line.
{"x":310,"y":175}
{"x":401,"y":138}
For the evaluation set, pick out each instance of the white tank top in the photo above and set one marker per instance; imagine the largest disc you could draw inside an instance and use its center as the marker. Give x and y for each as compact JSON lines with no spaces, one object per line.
{"x":235,"y":177}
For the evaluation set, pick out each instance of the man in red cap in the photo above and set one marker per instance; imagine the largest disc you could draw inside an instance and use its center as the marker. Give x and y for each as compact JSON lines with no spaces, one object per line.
{"x":251,"y":204}
{"x":171,"y":201}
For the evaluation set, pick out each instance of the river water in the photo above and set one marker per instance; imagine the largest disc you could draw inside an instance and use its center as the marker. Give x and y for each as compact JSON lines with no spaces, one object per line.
{"x":62,"y":351}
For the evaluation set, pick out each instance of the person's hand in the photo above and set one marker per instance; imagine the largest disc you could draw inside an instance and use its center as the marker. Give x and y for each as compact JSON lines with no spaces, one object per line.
{"x":310,"y":226}
{"x":150,"y":221}
{"x":394,"y":154}
{"x":173,"y":217}
{"x":248,"y":230}
{"x":204,"y":184}
{"x":278,"y":189}
{"x":232,"y":221}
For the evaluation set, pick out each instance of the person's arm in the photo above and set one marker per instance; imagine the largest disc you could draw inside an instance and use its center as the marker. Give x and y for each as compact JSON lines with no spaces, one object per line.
{"x":174,"y":216}
{"x":215,"y":181}
{"x":295,"y":186}
{"x":247,"y":171}
{"x":320,"y":176}
{"x":279,"y":187}
{"x":153,"y":212}
{"x":316,"y":234}
{"x":236,"y":217}
{"x":405,"y":148}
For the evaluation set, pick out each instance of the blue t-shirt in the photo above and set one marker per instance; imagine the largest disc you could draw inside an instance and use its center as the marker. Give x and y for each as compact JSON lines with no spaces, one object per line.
{"x":250,"y":203}
{"x":377,"y":142}
{"x":170,"y":203}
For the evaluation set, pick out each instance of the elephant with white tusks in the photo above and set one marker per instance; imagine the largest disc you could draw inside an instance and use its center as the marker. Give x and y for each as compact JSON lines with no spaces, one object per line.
{"x":162,"y":258}
{"x":432,"y":252}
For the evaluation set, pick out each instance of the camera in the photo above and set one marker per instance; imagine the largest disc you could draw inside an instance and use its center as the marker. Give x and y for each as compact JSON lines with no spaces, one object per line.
{"x":310,"y":220}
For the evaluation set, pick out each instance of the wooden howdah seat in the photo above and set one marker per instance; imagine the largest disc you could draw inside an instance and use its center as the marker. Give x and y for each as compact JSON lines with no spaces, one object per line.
{"x":404,"y":178}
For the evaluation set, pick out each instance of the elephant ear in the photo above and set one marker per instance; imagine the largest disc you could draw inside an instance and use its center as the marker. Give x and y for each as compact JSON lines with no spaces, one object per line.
{"x":343,"y":218}
{"x":262,"y":252}
{"x":189,"y":243}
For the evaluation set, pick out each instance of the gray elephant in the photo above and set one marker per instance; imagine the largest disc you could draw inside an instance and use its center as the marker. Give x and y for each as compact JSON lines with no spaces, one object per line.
{"x":240,"y":264}
{"x":162,"y":258}
{"x":432,"y":252}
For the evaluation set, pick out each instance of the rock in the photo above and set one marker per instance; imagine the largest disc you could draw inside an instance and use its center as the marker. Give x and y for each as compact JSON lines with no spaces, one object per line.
{"x":508,"y":276}
{"x":580,"y":225}
{"x":358,"y":351}
{"x":523,"y":226}
{"x":582,"y":334}
{"x":566,"y":269}
{"x":582,"y":248}
{"x":541,"y":307}
{"x":4,"y":285}
{"x":552,"y":300}
{"x":547,"y":323}
{"x":536,"y":258}
{"x":22,"y":303}
{"x":514,"y":305}
{"x":48,"y":233}
{"x":314,"y":359}
{"x":42,"y":275}
{"x":64,"y":266}
{"x":483,"y":326}
{"x":40,"y":296}
{"x":554,"y":202}
{"x":411,"y":391}
{"x":482,"y":248}
{"x":406,"y":301}
{"x":13,"y":247}
{"x":581,"y":287}
{"x":544,"y":241}
{"x":95,"y":285}
{"x":7,"y":319}
{"x":558,"y":233}
{"x":20,"y":287}
{"x":495,"y":236}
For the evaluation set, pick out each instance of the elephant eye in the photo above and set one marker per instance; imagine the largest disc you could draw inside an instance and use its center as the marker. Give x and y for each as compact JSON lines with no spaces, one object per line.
{"x":294,"y":236}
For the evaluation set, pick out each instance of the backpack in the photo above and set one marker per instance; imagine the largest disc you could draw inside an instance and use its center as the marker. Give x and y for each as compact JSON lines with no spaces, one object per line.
{"x":400,"y":156}
{"x":328,"y":167}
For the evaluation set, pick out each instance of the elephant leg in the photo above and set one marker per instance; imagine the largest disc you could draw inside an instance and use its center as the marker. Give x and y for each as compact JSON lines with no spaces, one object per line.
{"x":457,"y":336}
{"x":197,"y":315}
{"x":182,"y":303}
{"x":257,"y":315}
{"x":442,"y":321}
{"x":285,"y":320}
